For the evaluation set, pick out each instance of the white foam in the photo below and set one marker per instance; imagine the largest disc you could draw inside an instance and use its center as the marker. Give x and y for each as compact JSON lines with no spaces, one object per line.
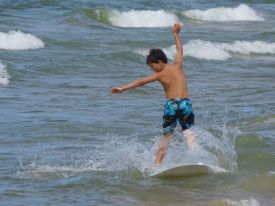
{"x":222,"y":14}
{"x":142,"y":18}
{"x":207,"y":50}
{"x":247,"y":48}
{"x":4,"y":76}
{"x":246,"y":202}
{"x":59,"y":170}
{"x":36,"y":169}
{"x":198,"y":49}
{"x":17,"y":40}
{"x":221,"y":51}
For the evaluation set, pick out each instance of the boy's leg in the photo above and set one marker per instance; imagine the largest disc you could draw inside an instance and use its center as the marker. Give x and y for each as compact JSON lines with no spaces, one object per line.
{"x":162,"y":148}
{"x":168,"y":125}
{"x":189,"y":137}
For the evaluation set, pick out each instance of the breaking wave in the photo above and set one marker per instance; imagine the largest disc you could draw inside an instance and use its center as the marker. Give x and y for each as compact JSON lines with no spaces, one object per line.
{"x":17,"y":40}
{"x":134,"y":18}
{"x":223,"y":14}
{"x":207,"y":50}
{"x":221,"y":51}
{"x":142,"y":18}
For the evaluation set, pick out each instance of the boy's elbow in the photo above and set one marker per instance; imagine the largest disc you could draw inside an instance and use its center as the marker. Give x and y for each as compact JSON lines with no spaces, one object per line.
{"x":178,"y":62}
{"x":139,"y":83}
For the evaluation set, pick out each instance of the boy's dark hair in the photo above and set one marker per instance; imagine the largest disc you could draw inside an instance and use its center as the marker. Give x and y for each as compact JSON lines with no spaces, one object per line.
{"x":155,"y":55}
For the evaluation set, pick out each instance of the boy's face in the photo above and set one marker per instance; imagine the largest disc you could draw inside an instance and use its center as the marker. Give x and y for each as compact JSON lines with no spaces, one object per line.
{"x":156,"y":67}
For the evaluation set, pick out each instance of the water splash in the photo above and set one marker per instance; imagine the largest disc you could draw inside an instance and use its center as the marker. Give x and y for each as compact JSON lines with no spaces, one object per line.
{"x":130,"y":155}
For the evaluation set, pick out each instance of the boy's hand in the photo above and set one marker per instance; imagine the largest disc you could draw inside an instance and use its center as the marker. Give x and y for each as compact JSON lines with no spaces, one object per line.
{"x":117,"y":90}
{"x":176,"y":28}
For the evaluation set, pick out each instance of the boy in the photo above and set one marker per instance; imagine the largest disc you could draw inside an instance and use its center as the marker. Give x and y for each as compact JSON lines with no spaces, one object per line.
{"x":173,"y":80}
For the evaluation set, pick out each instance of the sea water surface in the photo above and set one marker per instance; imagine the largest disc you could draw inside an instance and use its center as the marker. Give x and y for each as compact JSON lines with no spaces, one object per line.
{"x":65,"y":140}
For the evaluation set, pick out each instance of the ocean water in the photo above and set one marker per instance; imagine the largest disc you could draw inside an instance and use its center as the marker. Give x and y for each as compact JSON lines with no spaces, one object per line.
{"x":65,"y":140}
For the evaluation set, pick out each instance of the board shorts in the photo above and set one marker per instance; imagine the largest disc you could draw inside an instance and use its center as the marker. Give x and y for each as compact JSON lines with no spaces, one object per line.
{"x":177,"y":110}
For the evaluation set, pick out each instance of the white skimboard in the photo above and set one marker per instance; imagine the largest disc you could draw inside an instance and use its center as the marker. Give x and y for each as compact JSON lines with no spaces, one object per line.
{"x":185,"y":170}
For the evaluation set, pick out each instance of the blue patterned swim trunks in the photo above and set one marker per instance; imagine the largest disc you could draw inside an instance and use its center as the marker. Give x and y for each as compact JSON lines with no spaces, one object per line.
{"x":177,"y":110}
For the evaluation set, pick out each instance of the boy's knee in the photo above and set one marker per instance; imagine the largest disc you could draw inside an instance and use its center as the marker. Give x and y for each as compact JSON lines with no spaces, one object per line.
{"x":187,"y":132}
{"x":162,"y":147}
{"x":189,"y":136}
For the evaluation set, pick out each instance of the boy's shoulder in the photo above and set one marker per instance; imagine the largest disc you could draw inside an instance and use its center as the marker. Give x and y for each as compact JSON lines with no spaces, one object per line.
{"x":174,"y":65}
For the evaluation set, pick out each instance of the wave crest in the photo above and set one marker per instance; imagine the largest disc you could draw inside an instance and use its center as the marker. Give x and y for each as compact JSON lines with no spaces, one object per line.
{"x":143,"y":18}
{"x":222,"y":14}
{"x":17,"y":40}
{"x":134,"y":18}
{"x":201,"y":49}
{"x":207,"y":50}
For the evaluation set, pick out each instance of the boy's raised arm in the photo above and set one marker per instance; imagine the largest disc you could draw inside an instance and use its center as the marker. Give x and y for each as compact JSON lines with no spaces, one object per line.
{"x":179,"y":56}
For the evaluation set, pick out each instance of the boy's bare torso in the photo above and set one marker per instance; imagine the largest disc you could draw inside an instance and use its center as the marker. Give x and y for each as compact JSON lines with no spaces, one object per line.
{"x":173,"y":81}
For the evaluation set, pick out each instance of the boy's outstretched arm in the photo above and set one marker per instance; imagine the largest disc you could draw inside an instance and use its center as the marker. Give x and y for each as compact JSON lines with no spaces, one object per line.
{"x":179,"y":56}
{"x":136,"y":83}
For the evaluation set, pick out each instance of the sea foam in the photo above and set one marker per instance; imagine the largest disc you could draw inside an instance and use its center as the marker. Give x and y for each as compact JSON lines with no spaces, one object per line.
{"x":239,"y":13}
{"x":244,"y":202}
{"x":17,"y":40}
{"x":221,"y":51}
{"x":142,"y":18}
{"x":4,"y":76}
{"x":208,"y":50}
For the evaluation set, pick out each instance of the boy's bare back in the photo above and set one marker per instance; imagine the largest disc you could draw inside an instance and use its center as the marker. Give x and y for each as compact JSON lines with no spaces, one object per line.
{"x":173,"y":81}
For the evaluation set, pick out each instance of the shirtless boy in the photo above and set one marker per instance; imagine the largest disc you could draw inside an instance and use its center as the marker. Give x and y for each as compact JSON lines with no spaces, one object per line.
{"x":178,"y":106}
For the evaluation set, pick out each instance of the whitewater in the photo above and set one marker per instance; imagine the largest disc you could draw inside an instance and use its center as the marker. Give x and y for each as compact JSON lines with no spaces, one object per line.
{"x":207,"y":50}
{"x":166,"y":18}
{"x":16,"y":40}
